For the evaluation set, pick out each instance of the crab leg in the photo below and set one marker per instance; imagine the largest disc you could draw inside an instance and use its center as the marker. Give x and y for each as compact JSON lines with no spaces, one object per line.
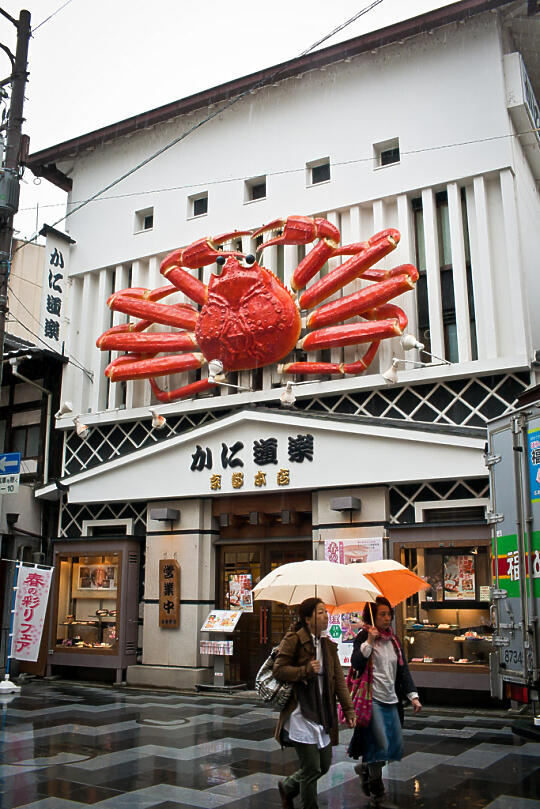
{"x":147,"y":368}
{"x":139,"y":303}
{"x":350,"y":334}
{"x":332,"y":367}
{"x":147,"y":343}
{"x":181,"y":393}
{"x":359,"y":302}
{"x":349,"y":270}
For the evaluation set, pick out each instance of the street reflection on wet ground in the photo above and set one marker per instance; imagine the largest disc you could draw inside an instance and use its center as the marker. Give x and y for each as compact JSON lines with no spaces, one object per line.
{"x":73,"y":745}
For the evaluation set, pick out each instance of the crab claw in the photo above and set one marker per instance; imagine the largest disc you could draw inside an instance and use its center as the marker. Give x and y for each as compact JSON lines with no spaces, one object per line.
{"x":298,"y":230}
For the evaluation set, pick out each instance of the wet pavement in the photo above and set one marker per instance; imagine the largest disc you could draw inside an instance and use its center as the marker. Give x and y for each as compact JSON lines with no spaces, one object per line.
{"x":66,"y":746}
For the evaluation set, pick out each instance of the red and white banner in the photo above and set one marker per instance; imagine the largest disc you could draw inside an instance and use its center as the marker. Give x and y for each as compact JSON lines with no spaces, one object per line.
{"x":33,"y":586}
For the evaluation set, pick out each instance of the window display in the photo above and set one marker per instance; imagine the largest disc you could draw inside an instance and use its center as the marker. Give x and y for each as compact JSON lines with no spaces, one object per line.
{"x":87,"y":602}
{"x":449,"y":623}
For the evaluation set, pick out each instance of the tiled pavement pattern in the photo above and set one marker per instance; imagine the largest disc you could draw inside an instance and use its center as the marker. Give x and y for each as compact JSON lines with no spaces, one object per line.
{"x":67,"y":746}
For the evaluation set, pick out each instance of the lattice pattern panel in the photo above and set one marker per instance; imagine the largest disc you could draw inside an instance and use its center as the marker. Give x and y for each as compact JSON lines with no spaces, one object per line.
{"x":472,"y":401}
{"x":72,"y":516}
{"x":108,"y":441}
{"x":404,"y":496}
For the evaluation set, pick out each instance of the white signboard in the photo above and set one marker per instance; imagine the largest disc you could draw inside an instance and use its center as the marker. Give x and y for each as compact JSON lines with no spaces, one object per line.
{"x":33,"y":586}
{"x":10,"y":468}
{"x":55,"y":275}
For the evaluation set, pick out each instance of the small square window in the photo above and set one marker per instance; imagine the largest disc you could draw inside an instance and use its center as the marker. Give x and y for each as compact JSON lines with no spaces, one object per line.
{"x":318,"y":171}
{"x":386,"y":152}
{"x":255,"y":189}
{"x":198,"y":205}
{"x":144,"y":220}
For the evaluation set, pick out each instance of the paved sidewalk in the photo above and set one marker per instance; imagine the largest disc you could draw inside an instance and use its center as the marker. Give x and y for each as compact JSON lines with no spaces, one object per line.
{"x":66,"y":746}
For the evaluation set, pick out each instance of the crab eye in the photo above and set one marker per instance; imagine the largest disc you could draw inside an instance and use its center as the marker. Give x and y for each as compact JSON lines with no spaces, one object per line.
{"x":249,"y":259}
{"x":221,"y":260}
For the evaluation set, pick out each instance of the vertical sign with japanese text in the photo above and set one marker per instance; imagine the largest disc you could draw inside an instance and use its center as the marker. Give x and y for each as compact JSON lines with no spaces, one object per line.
{"x":33,"y":586}
{"x":169,"y":594}
{"x":534,"y":464}
{"x":53,"y":301}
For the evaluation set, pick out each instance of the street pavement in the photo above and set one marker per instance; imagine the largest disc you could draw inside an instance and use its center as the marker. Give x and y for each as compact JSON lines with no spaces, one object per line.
{"x":67,"y":745}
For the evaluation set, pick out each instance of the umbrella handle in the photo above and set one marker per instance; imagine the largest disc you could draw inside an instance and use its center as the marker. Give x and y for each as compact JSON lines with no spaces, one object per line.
{"x":371,"y":614}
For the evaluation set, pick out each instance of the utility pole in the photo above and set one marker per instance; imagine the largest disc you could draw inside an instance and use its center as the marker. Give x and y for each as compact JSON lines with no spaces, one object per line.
{"x":9,"y":172}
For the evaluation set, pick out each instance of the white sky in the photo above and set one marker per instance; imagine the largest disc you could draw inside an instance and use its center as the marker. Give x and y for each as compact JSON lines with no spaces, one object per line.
{"x":99,"y":61}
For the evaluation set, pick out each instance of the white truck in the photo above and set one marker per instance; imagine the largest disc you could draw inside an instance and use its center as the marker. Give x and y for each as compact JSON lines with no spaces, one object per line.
{"x":513,"y":461}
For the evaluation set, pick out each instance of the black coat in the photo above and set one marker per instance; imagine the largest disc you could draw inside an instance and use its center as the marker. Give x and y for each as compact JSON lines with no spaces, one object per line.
{"x":404,"y":685}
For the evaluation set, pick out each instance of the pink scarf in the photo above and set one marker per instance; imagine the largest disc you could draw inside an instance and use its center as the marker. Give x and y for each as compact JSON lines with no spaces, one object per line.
{"x":387,"y":635}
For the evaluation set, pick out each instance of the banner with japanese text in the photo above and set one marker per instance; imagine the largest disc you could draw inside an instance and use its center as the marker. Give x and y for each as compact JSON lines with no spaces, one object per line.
{"x":53,"y":300}
{"x":33,"y":585}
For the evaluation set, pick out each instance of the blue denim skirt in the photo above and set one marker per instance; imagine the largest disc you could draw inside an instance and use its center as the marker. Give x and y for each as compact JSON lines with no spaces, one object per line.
{"x":383,"y":739}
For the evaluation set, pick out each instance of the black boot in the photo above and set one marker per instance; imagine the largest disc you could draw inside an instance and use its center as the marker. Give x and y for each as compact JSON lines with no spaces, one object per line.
{"x":376,"y":785}
{"x":363,"y":772}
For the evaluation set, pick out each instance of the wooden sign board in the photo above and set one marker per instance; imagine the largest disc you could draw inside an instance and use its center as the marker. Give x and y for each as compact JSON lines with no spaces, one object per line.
{"x":169,"y":594}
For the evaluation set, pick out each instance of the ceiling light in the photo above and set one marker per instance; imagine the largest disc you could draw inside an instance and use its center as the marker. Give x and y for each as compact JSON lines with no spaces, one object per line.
{"x":158,"y":421}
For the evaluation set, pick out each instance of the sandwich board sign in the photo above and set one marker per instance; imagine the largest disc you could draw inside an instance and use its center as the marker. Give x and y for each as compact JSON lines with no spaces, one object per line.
{"x":10,"y":472}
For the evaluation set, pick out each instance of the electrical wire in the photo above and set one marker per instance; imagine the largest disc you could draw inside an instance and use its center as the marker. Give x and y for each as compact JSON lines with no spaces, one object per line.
{"x":58,"y":10}
{"x":201,"y":123}
{"x":208,"y":183}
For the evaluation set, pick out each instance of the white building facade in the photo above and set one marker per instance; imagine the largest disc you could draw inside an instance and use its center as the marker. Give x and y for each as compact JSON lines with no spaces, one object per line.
{"x":428,"y":127}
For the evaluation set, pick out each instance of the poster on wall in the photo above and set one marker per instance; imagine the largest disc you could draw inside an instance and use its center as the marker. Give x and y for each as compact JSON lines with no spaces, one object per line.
{"x":221,"y":621}
{"x":240,"y":595}
{"x":459,"y":578}
{"x":352,"y":551}
{"x":97,"y":577}
{"x":343,"y":630}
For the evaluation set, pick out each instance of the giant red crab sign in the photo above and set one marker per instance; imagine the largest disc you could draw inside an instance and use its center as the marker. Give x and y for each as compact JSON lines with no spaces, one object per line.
{"x":248,"y":319}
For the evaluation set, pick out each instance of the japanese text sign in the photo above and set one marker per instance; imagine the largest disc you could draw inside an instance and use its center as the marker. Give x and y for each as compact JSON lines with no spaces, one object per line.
{"x":33,"y":586}
{"x":53,"y":302}
{"x":534,"y":464}
{"x":169,"y":594}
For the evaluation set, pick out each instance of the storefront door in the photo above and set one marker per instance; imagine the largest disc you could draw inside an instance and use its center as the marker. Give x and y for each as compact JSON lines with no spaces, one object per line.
{"x":257,"y":632}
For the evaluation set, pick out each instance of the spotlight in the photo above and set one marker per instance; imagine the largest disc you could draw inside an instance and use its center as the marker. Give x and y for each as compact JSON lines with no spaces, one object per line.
{"x":409,"y":341}
{"x":287,"y":397}
{"x":390,"y":375}
{"x":158,"y":421}
{"x":215,"y":367}
{"x":82,"y":430}
{"x":66,"y":407}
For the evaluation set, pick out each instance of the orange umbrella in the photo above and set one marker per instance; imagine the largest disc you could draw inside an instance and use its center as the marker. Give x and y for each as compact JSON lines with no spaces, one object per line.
{"x":395,"y":581}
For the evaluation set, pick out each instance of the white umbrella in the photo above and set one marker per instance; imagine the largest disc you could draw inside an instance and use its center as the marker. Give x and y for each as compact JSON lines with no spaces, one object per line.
{"x":334,"y":584}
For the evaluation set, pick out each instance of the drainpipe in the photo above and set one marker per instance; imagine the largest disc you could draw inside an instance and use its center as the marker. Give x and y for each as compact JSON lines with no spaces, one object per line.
{"x":14,"y":362}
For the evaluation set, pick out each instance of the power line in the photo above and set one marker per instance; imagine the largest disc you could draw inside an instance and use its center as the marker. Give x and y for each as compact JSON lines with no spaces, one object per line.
{"x":70,"y":360}
{"x":207,"y":183}
{"x":201,"y":123}
{"x":58,"y":10}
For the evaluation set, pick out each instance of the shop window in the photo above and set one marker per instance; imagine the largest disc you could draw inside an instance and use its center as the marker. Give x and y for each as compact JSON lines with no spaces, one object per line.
{"x":386,"y":152}
{"x":198,"y":205}
{"x":87,"y":605}
{"x":144,"y":220}
{"x":26,"y":440}
{"x":446,"y":277}
{"x":255,"y":189}
{"x":318,"y":171}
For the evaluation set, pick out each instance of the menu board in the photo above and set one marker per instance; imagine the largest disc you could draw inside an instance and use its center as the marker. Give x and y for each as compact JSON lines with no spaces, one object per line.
{"x":221,"y":621}
{"x":351,"y":551}
{"x":459,"y":577}
{"x":240,"y":595}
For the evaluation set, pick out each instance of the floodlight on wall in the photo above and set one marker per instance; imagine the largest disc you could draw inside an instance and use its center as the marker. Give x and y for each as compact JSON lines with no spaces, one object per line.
{"x":66,"y":407}
{"x":215,"y":375}
{"x":390,"y":375}
{"x":158,"y":421}
{"x":287,"y":397}
{"x":82,"y":430}
{"x":409,"y":341}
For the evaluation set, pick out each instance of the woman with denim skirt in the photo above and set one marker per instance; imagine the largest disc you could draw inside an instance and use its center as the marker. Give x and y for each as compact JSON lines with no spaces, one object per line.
{"x":382,"y":740}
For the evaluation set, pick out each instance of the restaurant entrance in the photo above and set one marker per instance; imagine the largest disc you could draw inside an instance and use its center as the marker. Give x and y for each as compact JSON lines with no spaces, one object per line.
{"x":257,"y":535}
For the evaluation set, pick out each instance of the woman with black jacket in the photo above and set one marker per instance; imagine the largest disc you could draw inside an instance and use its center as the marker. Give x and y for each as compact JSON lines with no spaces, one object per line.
{"x":382,"y":740}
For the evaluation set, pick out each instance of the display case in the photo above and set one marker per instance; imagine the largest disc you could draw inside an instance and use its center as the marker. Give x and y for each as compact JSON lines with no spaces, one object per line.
{"x":446,"y":628}
{"x":94,"y":620}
